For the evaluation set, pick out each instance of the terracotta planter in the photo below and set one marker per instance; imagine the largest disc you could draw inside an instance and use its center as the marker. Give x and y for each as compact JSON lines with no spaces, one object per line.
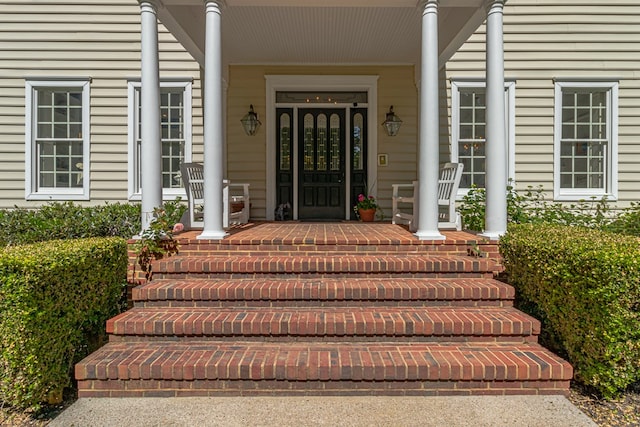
{"x":367,"y":215}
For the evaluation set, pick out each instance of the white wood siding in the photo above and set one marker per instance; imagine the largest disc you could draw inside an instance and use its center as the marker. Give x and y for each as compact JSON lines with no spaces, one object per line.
{"x":568,"y":39}
{"x":73,"y":38}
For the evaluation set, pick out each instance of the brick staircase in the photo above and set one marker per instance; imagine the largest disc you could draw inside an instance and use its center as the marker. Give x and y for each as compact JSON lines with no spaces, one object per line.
{"x":345,"y":308}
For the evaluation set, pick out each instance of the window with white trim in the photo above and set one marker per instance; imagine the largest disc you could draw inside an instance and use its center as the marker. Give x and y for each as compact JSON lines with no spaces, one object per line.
{"x":468,"y":130}
{"x":176,"y":136}
{"x":57,"y":140}
{"x":585,"y":140}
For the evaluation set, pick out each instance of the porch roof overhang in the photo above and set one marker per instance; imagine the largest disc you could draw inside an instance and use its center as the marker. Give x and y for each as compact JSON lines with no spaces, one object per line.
{"x":338,"y":32}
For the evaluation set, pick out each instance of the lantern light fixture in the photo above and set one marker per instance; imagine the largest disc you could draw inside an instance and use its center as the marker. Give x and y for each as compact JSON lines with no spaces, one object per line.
{"x":392,"y":123}
{"x":250,"y":122}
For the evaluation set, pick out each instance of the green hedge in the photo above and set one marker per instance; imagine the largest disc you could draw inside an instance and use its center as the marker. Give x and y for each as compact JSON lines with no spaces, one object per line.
{"x":67,"y":220}
{"x":585,"y":287}
{"x":54,"y":296}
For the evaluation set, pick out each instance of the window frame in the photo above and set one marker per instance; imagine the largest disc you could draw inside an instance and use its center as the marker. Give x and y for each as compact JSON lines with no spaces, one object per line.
{"x":610,"y":188}
{"x":32,"y":189}
{"x":510,"y":116}
{"x":134,"y":176}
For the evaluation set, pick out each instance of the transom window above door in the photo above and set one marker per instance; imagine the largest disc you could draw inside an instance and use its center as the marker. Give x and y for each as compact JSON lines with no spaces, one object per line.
{"x":304,"y":97}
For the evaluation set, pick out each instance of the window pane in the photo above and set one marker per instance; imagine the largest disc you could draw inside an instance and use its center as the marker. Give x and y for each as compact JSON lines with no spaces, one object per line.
{"x":321,"y":150}
{"x":309,"y":147}
{"x":62,"y":180}
{"x":45,"y":97}
{"x":568,"y":132}
{"x":62,"y":149}
{"x":466,"y":99}
{"x":466,"y":131}
{"x":465,"y":150}
{"x":466,"y":115}
{"x":285,"y":142}
{"x":60,"y":98}
{"x":75,"y":130}
{"x":358,"y":124}
{"x":568,"y":98}
{"x":568,"y":115}
{"x":335,"y":142}
{"x":46,"y":163}
{"x":583,"y":99}
{"x":46,"y":180}
{"x":583,"y":132}
{"x":75,"y":99}
{"x":580,"y":181}
{"x":580,"y":164}
{"x":583,"y":115}
{"x":44,"y":115}
{"x":44,"y":131}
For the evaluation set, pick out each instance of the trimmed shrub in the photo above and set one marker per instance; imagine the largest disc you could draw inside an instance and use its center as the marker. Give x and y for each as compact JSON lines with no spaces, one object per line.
{"x":66,"y":220}
{"x":529,"y":206}
{"x":585,"y":287}
{"x":627,"y":222}
{"x":54,"y":297}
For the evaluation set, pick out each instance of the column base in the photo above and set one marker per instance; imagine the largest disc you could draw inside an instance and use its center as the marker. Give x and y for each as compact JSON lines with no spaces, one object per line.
{"x":492,"y":235}
{"x":212,"y":235}
{"x":429,"y":235}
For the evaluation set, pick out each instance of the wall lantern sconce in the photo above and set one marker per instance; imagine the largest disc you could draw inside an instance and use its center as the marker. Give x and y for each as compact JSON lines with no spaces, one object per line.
{"x":250,"y":122}
{"x":392,"y":123}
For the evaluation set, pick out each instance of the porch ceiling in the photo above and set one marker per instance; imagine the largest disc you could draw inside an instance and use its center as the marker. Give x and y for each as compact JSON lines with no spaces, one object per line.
{"x":339,"y":32}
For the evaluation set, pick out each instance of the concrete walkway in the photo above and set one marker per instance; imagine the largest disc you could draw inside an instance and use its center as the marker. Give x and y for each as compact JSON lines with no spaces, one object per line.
{"x":512,"y":411}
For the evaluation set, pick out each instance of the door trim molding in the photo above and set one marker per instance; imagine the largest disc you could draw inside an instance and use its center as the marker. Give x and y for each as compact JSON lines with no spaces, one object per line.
{"x":275,"y":83}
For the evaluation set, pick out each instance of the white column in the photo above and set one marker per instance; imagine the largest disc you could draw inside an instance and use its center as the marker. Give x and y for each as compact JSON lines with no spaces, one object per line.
{"x":151,"y":149}
{"x":428,"y":158}
{"x":213,"y":134}
{"x":496,"y":145}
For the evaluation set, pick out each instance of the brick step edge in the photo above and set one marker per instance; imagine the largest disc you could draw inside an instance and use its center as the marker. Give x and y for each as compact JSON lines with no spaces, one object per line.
{"x":324,"y":322}
{"x":369,"y":264}
{"x":325,"y":289}
{"x":303,"y":362}
{"x":206,"y":388}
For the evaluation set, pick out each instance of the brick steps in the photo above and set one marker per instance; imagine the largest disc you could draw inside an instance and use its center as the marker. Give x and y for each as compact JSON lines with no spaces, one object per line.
{"x":329,"y":323}
{"x":335,"y":309}
{"x":209,"y":368}
{"x":389,"y":265}
{"x":323,"y":292}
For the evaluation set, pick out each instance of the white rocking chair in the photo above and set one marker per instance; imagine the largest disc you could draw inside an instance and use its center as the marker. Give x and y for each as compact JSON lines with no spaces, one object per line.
{"x":450,"y":175}
{"x":235,"y":198}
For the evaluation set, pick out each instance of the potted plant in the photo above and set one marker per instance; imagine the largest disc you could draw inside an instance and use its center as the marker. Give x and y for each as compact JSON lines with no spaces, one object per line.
{"x":366,"y":208}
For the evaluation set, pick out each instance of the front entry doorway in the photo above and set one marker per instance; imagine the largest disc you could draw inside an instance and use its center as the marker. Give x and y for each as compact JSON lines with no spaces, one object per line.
{"x":321,"y":161}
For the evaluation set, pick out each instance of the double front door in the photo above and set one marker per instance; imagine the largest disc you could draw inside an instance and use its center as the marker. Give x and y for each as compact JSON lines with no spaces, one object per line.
{"x":324,"y":182}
